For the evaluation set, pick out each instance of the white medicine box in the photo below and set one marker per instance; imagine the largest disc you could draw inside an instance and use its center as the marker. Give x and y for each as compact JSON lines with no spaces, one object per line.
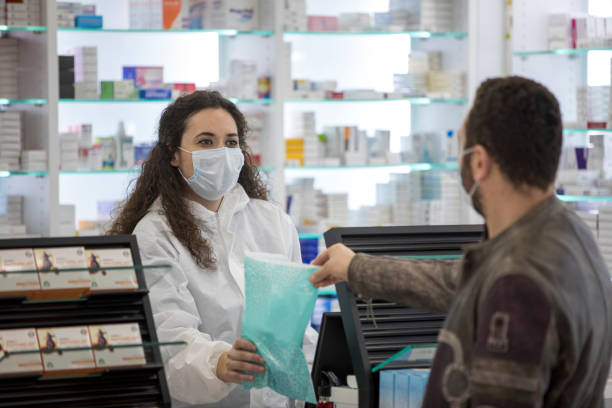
{"x":59,"y":338}
{"x":117,"y":335}
{"x":111,"y":279}
{"x":19,"y":340}
{"x":13,"y":260}
{"x":51,"y":261}
{"x":234,"y":14}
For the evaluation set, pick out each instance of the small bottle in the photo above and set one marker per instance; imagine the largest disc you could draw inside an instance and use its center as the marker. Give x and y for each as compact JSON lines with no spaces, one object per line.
{"x":324,"y":397}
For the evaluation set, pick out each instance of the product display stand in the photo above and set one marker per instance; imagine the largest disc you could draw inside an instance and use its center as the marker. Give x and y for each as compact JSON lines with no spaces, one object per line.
{"x":135,"y":386}
{"x":377,"y":332}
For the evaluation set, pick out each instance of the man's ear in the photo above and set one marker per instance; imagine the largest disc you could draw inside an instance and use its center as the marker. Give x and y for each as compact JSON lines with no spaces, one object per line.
{"x":481,"y":163}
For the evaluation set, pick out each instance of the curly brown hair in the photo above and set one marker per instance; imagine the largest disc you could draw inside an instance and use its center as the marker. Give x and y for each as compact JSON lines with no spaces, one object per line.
{"x":160,"y":179}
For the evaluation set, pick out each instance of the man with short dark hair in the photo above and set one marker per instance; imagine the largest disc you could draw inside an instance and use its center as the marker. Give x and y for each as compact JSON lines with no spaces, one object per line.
{"x":529,"y":319}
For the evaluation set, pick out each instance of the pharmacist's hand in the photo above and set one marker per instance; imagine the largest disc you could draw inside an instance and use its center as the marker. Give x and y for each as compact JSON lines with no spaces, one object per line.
{"x":334,"y":264}
{"x":234,"y":365}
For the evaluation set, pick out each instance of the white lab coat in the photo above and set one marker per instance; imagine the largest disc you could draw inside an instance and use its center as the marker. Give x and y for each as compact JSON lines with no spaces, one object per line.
{"x":204,"y":307}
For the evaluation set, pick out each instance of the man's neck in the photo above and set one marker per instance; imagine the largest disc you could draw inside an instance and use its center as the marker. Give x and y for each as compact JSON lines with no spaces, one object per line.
{"x":511,"y":205}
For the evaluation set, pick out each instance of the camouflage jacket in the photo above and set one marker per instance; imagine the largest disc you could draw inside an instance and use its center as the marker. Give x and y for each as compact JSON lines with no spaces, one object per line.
{"x":529,"y":320}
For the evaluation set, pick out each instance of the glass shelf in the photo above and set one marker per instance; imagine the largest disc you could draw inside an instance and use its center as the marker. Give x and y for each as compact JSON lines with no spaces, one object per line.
{"x":234,"y":100}
{"x":573,"y":130}
{"x":413,"y":34}
{"x":580,"y":199}
{"x":23,"y":173}
{"x":310,"y":236}
{"x":7,"y":354}
{"x":126,"y":171}
{"x":221,"y":32}
{"x":568,"y":51}
{"x":411,"y":166}
{"x":22,"y":28}
{"x":5,"y":101}
{"x":414,"y":100}
{"x":91,"y":270}
{"x":86,"y":172}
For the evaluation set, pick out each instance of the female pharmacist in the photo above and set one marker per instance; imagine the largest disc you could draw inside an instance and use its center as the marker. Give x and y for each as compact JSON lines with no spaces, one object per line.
{"x":198,"y":206}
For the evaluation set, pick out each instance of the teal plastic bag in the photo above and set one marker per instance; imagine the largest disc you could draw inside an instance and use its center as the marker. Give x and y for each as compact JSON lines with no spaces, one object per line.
{"x":279,"y":304}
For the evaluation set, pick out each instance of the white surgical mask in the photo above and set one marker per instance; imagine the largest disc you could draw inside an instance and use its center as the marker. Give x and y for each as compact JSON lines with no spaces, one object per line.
{"x":465,"y":181}
{"x":215,"y":171}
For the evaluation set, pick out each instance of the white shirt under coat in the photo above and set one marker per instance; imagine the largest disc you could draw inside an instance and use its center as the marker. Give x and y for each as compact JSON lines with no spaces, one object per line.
{"x":204,"y":307}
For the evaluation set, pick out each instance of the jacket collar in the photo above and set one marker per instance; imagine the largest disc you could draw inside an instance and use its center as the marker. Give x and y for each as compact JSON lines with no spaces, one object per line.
{"x":475,"y":254}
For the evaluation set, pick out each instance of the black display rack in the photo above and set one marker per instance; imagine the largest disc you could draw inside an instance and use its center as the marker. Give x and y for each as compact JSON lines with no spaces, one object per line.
{"x":135,"y":387}
{"x":396,"y":327}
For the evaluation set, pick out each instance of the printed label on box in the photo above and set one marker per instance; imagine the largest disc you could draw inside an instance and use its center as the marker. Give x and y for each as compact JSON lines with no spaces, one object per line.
{"x":19,"y":340}
{"x":12,"y":260}
{"x":116,"y":335}
{"x":51,"y":340}
{"x":115,"y":278}
{"x":51,"y":261}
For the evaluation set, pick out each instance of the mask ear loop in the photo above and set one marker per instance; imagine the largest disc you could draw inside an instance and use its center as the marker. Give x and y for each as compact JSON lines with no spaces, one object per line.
{"x":467,"y":151}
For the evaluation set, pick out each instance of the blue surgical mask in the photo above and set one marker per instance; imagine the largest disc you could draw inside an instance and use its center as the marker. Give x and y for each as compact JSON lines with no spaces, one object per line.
{"x":215,"y":171}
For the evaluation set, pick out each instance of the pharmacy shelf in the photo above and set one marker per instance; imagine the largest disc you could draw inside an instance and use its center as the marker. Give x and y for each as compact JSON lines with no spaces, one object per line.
{"x":412,"y":34}
{"x":310,"y":236}
{"x":7,"y":354}
{"x":5,"y":101}
{"x":23,"y":173}
{"x":221,"y":32}
{"x":574,"y":130}
{"x":581,"y":199}
{"x":23,"y":28}
{"x":410,"y":166}
{"x":91,"y":172}
{"x":414,"y":100}
{"x":240,"y":101}
{"x":127,"y":171}
{"x":568,"y":51}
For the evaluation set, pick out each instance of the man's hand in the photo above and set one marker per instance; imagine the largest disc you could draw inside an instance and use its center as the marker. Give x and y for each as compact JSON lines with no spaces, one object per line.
{"x":334,"y":264}
{"x":242,"y":358}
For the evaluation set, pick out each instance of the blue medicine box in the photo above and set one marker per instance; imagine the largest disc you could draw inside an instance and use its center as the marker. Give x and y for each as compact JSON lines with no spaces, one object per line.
{"x":155,"y":93}
{"x":84,"y":21}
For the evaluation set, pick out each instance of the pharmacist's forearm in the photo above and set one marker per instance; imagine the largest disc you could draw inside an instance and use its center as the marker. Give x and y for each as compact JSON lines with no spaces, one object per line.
{"x":419,"y":284}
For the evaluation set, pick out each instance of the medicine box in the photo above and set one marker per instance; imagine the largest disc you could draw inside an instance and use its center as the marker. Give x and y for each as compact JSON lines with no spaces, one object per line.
{"x":125,"y":90}
{"x":144,"y":77}
{"x":117,"y":335}
{"x":111,"y":279}
{"x":50,"y":262}
{"x":51,"y":340}
{"x":86,"y":21}
{"x":107,"y":90}
{"x":235,"y":14}
{"x":12,"y":260}
{"x":19,"y":340}
{"x":160,"y":93}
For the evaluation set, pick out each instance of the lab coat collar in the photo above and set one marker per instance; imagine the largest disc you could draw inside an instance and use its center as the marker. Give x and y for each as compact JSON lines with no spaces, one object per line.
{"x":233,"y":202}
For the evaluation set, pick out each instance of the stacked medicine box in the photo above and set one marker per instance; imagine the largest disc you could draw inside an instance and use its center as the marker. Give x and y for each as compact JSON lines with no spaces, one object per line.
{"x":10,"y":140}
{"x":23,"y":13}
{"x":9,"y":58}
